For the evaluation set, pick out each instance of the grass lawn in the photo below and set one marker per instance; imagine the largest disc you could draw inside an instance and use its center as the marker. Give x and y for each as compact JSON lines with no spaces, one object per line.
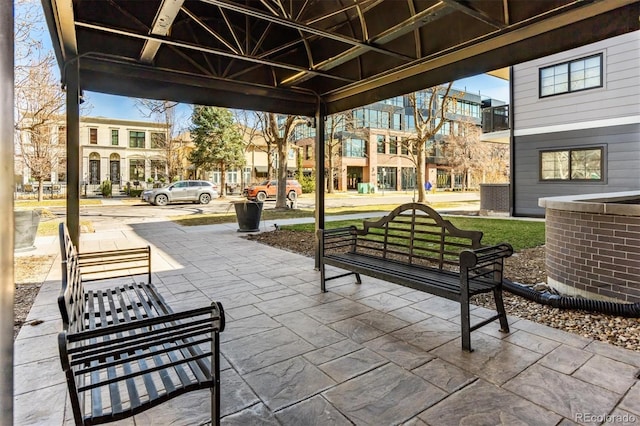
{"x":269,"y":214}
{"x":58,"y":202}
{"x":521,"y":234}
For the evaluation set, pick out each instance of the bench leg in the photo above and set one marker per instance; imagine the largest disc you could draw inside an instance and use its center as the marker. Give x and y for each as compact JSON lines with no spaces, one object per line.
{"x":465,"y":322}
{"x":323,"y":284}
{"x":215,"y":369}
{"x":497,"y":296}
{"x":358,"y":280}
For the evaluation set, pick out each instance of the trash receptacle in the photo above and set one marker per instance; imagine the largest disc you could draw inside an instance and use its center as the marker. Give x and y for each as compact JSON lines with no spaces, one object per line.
{"x":26,"y":226}
{"x":248,"y":214}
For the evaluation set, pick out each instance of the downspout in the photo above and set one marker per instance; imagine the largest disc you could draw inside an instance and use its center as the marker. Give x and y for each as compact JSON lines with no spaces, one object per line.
{"x":512,"y":148}
{"x":629,"y":310}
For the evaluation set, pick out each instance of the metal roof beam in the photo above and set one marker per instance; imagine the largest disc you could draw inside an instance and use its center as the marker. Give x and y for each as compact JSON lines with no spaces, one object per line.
{"x":434,"y":12}
{"x":162,"y":23}
{"x":255,"y":13}
{"x":208,"y":50}
{"x":64,"y":19}
{"x":479,"y":15}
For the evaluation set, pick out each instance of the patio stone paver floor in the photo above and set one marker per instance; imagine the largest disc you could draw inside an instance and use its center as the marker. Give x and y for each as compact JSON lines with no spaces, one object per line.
{"x":370,"y":354}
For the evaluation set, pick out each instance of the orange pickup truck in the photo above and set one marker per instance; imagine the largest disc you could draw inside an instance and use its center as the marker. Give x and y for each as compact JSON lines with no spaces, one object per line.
{"x":269,"y":189}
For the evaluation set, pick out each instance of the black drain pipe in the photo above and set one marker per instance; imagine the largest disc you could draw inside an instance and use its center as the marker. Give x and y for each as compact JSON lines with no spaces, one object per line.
{"x":629,"y":310}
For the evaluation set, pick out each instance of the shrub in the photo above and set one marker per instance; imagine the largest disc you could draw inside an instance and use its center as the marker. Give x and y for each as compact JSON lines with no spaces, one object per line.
{"x":308,"y":184}
{"x":105,"y":188}
{"x":135,"y":192}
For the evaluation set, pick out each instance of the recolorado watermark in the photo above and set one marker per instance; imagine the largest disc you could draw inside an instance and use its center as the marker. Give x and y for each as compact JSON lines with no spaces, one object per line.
{"x":605,"y":418}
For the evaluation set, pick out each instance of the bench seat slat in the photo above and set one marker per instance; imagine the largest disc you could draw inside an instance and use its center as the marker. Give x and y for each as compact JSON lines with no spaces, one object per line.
{"x":421,"y":278}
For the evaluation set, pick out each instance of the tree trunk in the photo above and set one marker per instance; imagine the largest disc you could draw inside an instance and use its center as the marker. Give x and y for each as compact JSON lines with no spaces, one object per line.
{"x":420,"y":172}
{"x":281,"y":197}
{"x":223,"y":180}
{"x":269,"y":164}
{"x":330,"y":187}
{"x":40,"y":190}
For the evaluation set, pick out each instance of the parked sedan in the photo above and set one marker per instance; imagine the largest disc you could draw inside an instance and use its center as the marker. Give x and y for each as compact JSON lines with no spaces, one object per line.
{"x":198,"y":191}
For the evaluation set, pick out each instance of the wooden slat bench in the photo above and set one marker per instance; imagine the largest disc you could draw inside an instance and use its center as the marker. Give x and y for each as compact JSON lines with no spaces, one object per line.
{"x":414,"y":246}
{"x":124,"y":350}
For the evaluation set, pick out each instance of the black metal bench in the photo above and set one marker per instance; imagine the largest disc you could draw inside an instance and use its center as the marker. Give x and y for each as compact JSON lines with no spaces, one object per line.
{"x":123,"y":349}
{"x":414,"y":246}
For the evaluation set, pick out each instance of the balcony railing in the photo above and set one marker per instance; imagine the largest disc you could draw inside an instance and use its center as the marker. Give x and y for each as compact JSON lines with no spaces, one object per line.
{"x":495,"y":119}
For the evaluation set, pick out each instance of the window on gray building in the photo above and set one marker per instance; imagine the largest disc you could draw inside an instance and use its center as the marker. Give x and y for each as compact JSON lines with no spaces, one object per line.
{"x":572,"y":76}
{"x":572,"y":164}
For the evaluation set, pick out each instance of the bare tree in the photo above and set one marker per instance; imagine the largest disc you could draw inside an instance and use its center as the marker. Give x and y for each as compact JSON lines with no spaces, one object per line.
{"x":277,"y":133}
{"x":165,"y":113}
{"x":463,"y":150}
{"x":249,"y":128}
{"x":430,"y":109}
{"x":493,"y":163}
{"x":39,"y":99}
{"x":270,"y":147}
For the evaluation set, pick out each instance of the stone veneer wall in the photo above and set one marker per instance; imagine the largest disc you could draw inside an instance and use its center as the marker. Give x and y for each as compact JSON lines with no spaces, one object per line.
{"x":596,"y":254}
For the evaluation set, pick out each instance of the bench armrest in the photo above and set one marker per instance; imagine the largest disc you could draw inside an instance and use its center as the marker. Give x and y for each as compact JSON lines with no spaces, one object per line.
{"x":485,"y":255}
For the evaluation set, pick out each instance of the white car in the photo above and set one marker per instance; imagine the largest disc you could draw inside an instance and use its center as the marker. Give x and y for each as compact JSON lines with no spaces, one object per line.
{"x":199,"y":191}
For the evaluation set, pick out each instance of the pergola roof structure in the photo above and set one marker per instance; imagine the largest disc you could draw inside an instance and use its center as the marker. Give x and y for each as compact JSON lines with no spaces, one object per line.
{"x":287,"y":56}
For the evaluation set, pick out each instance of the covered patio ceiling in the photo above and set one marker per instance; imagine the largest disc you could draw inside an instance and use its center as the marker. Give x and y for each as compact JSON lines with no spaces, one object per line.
{"x":286,"y":56}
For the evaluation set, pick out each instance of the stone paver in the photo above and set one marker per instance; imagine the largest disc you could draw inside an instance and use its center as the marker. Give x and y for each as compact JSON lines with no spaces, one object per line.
{"x":483,"y":403}
{"x":369,"y":354}
{"x":562,"y":394}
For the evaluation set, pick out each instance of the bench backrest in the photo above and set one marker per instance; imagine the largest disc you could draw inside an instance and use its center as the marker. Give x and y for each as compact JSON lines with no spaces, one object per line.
{"x":415,"y":234}
{"x":67,"y":249}
{"x":71,"y":297}
{"x":71,"y":300}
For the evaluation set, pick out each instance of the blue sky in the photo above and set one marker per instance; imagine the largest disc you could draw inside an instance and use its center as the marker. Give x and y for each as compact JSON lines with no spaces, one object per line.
{"x":102,"y":105}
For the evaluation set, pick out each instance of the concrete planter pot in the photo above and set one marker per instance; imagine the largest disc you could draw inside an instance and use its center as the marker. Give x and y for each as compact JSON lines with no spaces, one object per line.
{"x":26,"y":226}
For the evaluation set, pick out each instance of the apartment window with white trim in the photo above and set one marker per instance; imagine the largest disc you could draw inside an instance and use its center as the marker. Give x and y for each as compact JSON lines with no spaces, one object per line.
{"x":571,"y":76}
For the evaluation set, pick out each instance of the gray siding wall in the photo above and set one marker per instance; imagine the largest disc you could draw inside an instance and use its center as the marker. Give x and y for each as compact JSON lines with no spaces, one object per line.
{"x":619,"y":97}
{"x":608,"y":116}
{"x":621,"y":164}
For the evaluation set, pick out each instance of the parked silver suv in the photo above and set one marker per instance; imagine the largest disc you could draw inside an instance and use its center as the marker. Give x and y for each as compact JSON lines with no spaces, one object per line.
{"x":199,"y":191}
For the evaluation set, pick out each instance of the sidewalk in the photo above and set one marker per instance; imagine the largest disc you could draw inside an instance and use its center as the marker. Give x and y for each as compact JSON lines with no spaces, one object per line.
{"x":370,"y":354}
